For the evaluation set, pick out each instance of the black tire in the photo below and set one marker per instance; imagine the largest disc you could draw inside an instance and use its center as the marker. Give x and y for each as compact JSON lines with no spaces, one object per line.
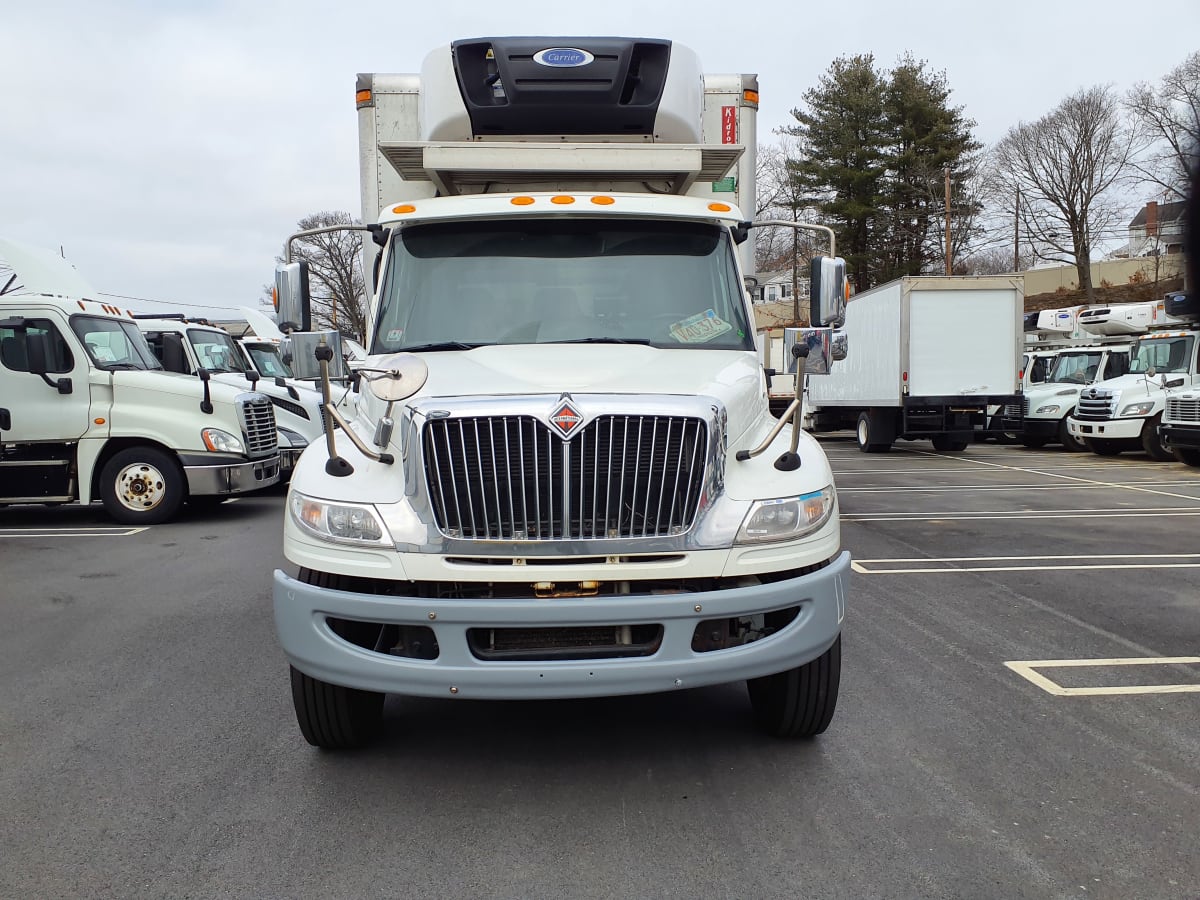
{"x":1070,"y":443}
{"x":1153,"y":444}
{"x":333,"y":717}
{"x":945,"y":442}
{"x":799,"y":702}
{"x":1033,"y":443}
{"x":141,"y":486}
{"x":1103,"y":448}
{"x":863,"y":434}
{"x":1189,"y":456}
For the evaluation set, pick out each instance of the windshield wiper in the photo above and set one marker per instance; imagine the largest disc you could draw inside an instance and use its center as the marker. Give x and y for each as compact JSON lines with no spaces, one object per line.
{"x":602,"y":340}
{"x":122,"y":365}
{"x":442,"y":345}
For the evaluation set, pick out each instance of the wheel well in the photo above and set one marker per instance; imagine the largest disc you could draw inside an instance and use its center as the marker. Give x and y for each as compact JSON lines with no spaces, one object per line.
{"x":115,"y":446}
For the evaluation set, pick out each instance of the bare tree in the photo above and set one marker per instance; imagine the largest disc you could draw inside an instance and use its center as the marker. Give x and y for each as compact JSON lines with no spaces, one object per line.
{"x":1067,"y":166}
{"x":1168,"y":117}
{"x":335,"y":273}
{"x":779,"y":248}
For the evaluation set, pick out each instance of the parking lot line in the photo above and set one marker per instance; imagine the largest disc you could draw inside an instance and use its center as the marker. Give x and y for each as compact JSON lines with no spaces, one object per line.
{"x":72,"y":531}
{"x":961,"y":564}
{"x":1018,"y":515}
{"x":1027,"y":669}
{"x":975,"y":488}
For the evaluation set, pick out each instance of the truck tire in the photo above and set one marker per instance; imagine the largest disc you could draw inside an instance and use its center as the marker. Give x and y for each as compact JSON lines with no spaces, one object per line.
{"x":1033,"y":443}
{"x":1102,"y":447}
{"x":799,"y":702}
{"x":945,"y":442}
{"x":1153,"y":444}
{"x":1070,"y":443}
{"x":1189,"y":456}
{"x":334,"y":717}
{"x":141,"y":486}
{"x":864,"y":433}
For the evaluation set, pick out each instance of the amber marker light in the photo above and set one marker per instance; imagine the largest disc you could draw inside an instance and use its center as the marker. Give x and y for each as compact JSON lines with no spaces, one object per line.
{"x":522,"y":201}
{"x":98,"y":421}
{"x":720,"y":207}
{"x":750,"y":96}
{"x":603,"y":201}
{"x":362,"y":97}
{"x":404,"y":208}
{"x":562,"y":200}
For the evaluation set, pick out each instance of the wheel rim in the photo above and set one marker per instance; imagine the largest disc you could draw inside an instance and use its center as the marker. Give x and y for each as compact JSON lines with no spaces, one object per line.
{"x":140,"y":487}
{"x":863,"y":433}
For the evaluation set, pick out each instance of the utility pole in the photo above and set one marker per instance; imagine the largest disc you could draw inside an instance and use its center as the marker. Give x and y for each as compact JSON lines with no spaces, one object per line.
{"x":1017,"y":233}
{"x":949,"y":258}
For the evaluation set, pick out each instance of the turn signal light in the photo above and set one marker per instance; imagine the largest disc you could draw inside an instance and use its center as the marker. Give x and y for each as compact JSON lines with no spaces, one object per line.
{"x":720,"y":207}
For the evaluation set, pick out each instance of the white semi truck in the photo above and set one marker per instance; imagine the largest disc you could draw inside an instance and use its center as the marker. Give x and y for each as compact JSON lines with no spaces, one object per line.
{"x":189,"y":346}
{"x":87,"y":412}
{"x":1180,"y":426}
{"x":561,"y":478}
{"x":1124,"y":413}
{"x":912,"y":373}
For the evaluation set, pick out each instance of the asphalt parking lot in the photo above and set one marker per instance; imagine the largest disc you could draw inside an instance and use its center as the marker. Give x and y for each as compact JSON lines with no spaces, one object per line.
{"x":1020,"y":717}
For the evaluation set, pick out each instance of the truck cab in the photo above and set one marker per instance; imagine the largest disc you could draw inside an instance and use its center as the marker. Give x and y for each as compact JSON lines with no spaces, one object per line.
{"x":198,"y":345}
{"x":561,"y":477}
{"x":87,"y":412}
{"x":1048,"y":404}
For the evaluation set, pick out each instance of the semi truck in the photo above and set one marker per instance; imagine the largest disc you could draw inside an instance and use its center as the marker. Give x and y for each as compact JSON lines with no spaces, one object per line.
{"x":189,"y":346}
{"x":1124,"y":413}
{"x":560,"y":477}
{"x":912,"y":374}
{"x":87,"y":412}
{"x":1179,"y":429}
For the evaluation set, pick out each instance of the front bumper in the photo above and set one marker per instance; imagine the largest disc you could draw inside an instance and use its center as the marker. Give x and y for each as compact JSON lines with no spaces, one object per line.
{"x":1185,"y":437}
{"x":1038,"y":428}
{"x":301,"y":612}
{"x":1107,"y":429}
{"x":232,"y":478}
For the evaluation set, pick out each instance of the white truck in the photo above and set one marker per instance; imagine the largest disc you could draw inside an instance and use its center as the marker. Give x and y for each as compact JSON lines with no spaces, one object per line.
{"x":188,"y":346}
{"x":87,"y":413}
{"x":1124,"y":413}
{"x":561,"y":478}
{"x":929,"y":356}
{"x":1180,"y":426}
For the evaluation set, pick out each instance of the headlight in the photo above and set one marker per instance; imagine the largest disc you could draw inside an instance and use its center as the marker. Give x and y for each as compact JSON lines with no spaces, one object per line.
{"x":341,"y":523}
{"x":219,"y":441}
{"x":1138,"y":409}
{"x":787,"y":518}
{"x":1051,"y":410}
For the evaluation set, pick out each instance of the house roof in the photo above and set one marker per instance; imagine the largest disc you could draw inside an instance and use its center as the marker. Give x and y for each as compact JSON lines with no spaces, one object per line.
{"x":1167,"y":212}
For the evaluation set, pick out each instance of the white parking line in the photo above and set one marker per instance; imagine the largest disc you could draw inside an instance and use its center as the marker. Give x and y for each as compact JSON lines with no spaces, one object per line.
{"x":72,"y":531}
{"x":1019,"y":515}
{"x":1002,"y":487}
{"x":961,"y":564}
{"x":1027,"y":669}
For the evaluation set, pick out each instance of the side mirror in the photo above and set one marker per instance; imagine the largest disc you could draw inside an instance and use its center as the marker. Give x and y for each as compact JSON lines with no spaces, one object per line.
{"x":173,"y":357}
{"x":829,"y":289}
{"x":840,"y":345}
{"x":38,"y":352}
{"x":292,"y":298}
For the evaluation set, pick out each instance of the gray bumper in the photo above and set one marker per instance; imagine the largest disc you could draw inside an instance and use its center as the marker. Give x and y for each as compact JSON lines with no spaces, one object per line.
{"x":313,"y":648}
{"x":232,"y":479}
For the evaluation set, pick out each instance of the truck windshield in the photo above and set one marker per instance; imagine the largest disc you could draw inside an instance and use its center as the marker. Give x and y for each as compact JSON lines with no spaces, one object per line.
{"x":1163,"y":354}
{"x":267,"y":360}
{"x":465,"y":284}
{"x":216,"y":351}
{"x":1075,"y":368}
{"x":114,"y":344}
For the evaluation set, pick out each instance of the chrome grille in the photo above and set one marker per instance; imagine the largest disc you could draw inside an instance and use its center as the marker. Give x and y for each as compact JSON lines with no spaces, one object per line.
{"x":1015,"y":410}
{"x":513,"y":478}
{"x":1180,"y":409}
{"x":1097,"y":408}
{"x":258,"y":424}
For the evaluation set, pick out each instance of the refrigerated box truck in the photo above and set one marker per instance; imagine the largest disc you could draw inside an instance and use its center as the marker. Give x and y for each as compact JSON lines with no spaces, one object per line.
{"x":929,"y":355}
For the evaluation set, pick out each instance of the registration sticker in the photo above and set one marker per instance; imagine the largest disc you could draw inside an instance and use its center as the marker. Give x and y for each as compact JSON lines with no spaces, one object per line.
{"x":394,"y":335}
{"x":700,"y":328}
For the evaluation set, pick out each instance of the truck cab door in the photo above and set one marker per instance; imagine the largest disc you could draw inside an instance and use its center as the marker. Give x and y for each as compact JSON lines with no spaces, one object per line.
{"x":36,"y":411}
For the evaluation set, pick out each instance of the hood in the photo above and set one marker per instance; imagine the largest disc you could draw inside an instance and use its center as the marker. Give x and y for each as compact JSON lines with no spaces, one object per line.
{"x":1125,"y":383}
{"x":176,"y":383}
{"x":734,"y":377}
{"x":39,"y":271}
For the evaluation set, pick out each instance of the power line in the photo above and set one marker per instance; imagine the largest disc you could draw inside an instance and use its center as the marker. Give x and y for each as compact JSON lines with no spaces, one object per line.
{"x":173,"y":302}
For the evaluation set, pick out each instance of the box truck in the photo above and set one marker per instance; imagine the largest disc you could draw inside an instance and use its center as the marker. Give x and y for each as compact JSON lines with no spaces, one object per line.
{"x":928,"y":356}
{"x":561,"y":478}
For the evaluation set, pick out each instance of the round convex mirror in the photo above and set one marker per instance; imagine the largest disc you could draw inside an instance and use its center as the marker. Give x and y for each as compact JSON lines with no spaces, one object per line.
{"x":396,"y":377}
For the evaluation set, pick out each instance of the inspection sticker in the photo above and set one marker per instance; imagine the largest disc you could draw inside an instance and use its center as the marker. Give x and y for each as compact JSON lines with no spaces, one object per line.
{"x":700,"y":328}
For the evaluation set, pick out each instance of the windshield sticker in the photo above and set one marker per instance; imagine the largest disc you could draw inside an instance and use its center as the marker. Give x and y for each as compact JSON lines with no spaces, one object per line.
{"x":700,"y":328}
{"x":394,"y":335}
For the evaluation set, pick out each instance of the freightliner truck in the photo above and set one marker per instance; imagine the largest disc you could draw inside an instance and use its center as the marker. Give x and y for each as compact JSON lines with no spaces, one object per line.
{"x":560,"y":478}
{"x":87,"y":413}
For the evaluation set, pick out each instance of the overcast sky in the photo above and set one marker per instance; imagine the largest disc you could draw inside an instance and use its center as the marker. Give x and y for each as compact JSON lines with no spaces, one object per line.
{"x":170,"y":147}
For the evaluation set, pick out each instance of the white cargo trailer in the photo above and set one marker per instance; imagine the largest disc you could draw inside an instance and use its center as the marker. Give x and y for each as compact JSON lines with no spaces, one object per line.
{"x":928,"y":356}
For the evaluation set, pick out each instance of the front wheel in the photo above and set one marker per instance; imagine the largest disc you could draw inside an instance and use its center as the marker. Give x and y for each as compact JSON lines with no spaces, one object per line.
{"x":1070,"y":443}
{"x":141,"y":486}
{"x":1189,"y":456}
{"x":799,"y":702}
{"x":1102,"y":448}
{"x":333,"y":717}
{"x":1153,"y":444}
{"x":947,"y":443}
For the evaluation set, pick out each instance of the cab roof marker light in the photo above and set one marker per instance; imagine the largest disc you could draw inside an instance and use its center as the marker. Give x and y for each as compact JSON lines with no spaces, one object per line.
{"x":720,"y":207}
{"x":603,"y":201}
{"x":562,"y":199}
{"x":521,"y":201}
{"x":404,"y":208}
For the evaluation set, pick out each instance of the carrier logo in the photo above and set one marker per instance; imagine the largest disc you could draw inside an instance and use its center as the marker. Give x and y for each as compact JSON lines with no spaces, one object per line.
{"x":566,"y":418}
{"x":563,"y":57}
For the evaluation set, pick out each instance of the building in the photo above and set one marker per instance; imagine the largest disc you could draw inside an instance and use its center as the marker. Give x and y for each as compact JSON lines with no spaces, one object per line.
{"x":1156,"y":230}
{"x":776,"y":287}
